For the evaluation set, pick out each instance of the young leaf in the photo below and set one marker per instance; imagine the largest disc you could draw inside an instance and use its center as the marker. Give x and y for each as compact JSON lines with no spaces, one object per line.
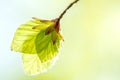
{"x":33,"y":65}
{"x":24,"y":38}
{"x":39,"y":43}
{"x":47,"y":46}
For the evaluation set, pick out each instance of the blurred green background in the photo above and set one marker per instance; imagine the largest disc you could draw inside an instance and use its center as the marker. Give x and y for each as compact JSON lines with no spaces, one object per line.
{"x":91,"y":28}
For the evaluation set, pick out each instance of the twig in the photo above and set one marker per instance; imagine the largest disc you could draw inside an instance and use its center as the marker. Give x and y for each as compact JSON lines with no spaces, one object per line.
{"x":69,"y":6}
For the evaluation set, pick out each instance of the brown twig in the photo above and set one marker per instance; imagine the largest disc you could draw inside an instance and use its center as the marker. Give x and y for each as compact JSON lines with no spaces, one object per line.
{"x":69,"y":6}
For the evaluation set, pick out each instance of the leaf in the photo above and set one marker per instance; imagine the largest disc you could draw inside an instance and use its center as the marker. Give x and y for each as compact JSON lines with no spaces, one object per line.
{"x":39,"y":42}
{"x":33,"y":65}
{"x":24,"y":38}
{"x":47,"y":46}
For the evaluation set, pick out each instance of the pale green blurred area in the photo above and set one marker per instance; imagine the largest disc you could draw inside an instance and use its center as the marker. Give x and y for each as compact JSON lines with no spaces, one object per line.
{"x":91,"y":28}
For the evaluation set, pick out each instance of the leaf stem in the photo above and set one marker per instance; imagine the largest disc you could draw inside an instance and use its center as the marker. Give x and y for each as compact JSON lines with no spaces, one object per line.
{"x":69,"y":6}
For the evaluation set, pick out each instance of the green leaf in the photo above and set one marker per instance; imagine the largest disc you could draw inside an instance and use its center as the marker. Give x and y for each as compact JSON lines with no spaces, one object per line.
{"x":39,"y":43}
{"x":47,"y":46}
{"x":33,"y":65}
{"x":24,"y":38}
